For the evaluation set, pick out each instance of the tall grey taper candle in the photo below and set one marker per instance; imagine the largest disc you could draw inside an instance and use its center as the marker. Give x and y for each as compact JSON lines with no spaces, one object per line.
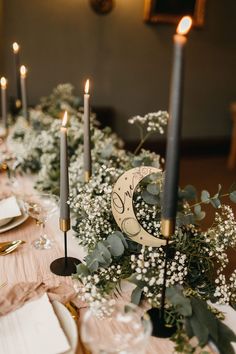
{"x":87,"y":142}
{"x":64,"y":176}
{"x":170,"y":194}
{"x":23,"y":72}
{"x":4,"y":101}
{"x":16,"y":51}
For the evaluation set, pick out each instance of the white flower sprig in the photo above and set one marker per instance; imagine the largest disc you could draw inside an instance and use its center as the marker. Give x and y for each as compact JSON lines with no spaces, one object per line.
{"x":148,"y":124}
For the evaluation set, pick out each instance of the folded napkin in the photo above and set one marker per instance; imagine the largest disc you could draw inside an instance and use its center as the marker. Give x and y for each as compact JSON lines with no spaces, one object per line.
{"x":9,"y":208}
{"x":11,"y":298}
{"x":33,"y":328}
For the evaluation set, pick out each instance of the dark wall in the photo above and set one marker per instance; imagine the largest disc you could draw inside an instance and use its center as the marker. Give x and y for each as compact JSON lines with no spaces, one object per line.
{"x":128,"y":61}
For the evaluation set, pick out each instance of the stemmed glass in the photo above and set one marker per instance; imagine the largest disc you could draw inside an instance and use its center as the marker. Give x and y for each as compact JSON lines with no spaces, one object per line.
{"x":41,"y":207}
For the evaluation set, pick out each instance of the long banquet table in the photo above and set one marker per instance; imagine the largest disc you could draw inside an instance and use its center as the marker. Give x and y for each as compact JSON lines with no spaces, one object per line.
{"x":27,"y":274}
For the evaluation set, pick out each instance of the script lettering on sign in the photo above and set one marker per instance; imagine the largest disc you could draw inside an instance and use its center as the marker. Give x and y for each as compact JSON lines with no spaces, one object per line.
{"x":122,"y":206}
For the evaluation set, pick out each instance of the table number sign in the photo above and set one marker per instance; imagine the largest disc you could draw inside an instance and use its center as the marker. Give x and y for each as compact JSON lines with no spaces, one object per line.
{"x":122,"y":205}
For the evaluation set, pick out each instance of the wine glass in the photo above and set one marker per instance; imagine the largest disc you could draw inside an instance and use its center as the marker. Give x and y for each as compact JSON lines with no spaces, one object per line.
{"x":41,"y":207}
{"x":116,"y":329}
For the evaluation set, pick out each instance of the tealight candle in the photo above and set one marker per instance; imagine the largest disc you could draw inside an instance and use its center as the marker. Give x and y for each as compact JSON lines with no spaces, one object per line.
{"x":87,"y":142}
{"x":170,"y":194}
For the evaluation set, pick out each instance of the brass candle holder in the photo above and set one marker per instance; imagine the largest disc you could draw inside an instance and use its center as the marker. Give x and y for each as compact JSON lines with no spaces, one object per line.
{"x":87,"y":175}
{"x":157,"y":315}
{"x":64,"y":266}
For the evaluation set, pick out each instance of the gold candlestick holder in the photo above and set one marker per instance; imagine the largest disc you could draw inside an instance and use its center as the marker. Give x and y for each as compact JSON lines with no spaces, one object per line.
{"x":157,"y":315}
{"x":64,"y":266}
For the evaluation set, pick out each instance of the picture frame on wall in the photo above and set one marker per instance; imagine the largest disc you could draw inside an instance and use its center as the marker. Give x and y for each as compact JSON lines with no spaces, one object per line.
{"x":171,"y":11}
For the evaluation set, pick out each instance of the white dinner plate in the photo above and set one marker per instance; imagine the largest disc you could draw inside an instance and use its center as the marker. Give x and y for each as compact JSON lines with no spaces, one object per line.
{"x":15,"y":221}
{"x":5,"y":221}
{"x":68,"y":325}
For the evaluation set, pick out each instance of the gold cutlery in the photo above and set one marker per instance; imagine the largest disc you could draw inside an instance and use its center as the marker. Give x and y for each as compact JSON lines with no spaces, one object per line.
{"x":8,"y":247}
{"x":74,"y":311}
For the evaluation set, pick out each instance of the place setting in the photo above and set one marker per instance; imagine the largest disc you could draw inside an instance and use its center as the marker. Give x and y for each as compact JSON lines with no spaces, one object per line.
{"x":45,"y":321}
{"x":12,"y":213}
{"x":116,"y":236}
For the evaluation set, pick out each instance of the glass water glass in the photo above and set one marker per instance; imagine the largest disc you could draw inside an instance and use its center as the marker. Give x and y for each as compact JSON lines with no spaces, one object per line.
{"x":41,"y":207}
{"x":117,"y":329}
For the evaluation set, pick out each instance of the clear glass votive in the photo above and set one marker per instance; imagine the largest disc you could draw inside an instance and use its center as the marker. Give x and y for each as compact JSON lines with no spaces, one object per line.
{"x":116,"y":329}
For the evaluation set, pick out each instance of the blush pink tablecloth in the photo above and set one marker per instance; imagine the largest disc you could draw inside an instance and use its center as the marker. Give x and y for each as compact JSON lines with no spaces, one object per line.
{"x":27,"y":270}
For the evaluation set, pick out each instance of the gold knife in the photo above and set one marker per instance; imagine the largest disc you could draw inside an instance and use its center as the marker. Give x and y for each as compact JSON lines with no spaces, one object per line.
{"x":8,"y":247}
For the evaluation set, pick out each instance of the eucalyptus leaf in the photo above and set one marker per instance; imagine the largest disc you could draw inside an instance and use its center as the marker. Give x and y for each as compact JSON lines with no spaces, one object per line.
{"x":232,"y":196}
{"x":136,"y":295}
{"x":215,"y":201}
{"x":82,"y":270}
{"x":153,"y":189}
{"x":199,"y":213}
{"x":205,"y":316}
{"x":104,"y":251}
{"x":92,"y":264}
{"x":116,"y":245}
{"x":197,"y":209}
{"x":226,"y":336}
{"x":122,"y":237}
{"x":189,"y":192}
{"x":205,"y":197}
{"x":199,"y":329}
{"x":200,"y":216}
{"x":179,"y":301}
{"x":225,"y":347}
{"x":188,"y":328}
{"x":97,"y":254}
{"x":150,"y":198}
{"x":95,"y":258}
{"x":226,"y":332}
{"x":156,"y":176}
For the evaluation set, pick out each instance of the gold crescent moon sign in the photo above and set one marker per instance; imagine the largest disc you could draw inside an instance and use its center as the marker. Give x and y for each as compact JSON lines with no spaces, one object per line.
{"x":122,"y":205}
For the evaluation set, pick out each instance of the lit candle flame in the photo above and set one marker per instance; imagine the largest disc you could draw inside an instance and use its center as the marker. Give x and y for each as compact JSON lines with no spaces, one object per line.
{"x":184,"y":25}
{"x":23,"y":71}
{"x":86,"y":87}
{"x":64,"y":120}
{"x":15,"y":47}
{"x":3,"y":82}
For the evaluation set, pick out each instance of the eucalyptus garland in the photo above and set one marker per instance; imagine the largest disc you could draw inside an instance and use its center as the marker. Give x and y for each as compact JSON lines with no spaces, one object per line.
{"x":196,"y":259}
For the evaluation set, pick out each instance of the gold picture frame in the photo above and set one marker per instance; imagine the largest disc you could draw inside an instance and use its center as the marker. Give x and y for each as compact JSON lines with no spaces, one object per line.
{"x":171,"y":11}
